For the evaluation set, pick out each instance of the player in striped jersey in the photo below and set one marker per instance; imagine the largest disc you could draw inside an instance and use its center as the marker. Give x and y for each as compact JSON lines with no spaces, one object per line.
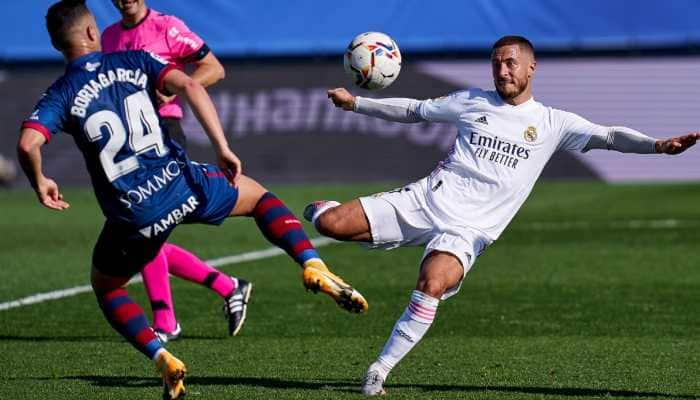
{"x":107,"y":103}
{"x":142,"y":28}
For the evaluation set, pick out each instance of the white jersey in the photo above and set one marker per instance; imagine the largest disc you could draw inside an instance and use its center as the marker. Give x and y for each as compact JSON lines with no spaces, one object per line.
{"x":498,"y":155}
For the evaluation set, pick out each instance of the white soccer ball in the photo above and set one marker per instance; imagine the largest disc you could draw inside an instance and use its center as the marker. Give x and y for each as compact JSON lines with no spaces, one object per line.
{"x":372,"y":60}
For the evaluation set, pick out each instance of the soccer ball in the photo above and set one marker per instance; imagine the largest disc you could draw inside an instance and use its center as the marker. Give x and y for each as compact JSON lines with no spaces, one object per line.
{"x":372,"y":60}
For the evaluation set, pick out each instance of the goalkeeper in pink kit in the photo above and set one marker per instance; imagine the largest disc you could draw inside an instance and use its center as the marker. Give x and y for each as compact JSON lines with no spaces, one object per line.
{"x":142,"y":28}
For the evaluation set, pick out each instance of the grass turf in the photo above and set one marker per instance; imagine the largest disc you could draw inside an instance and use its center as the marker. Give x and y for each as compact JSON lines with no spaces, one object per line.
{"x":592,"y":292}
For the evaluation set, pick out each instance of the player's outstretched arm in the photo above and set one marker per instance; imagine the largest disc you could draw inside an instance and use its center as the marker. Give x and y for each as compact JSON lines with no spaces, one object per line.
{"x":393,"y":109}
{"x":29,"y":155}
{"x":208,"y":70}
{"x":678,"y":144}
{"x":626,"y":140}
{"x":179,"y":83}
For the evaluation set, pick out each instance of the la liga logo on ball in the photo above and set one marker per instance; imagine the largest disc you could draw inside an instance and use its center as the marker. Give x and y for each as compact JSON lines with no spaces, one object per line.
{"x":372,"y":60}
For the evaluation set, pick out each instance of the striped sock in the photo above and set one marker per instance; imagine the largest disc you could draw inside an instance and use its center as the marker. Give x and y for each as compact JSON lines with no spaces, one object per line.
{"x":283,"y":229}
{"x":407,"y":332}
{"x":127,"y":318}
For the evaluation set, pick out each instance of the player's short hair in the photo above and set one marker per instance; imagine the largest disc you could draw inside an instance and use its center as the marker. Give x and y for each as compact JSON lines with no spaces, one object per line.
{"x":61,"y":17}
{"x":513,"y":39}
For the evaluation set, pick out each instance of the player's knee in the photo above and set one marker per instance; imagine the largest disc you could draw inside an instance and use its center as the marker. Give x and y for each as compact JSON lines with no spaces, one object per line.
{"x":250,"y":192}
{"x":329,"y":223}
{"x":102,"y":283}
{"x":252,"y":188}
{"x":433,"y":287}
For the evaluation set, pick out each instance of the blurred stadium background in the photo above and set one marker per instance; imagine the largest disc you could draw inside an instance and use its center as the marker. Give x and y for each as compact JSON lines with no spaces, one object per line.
{"x":609,"y":62}
{"x":591,"y":293}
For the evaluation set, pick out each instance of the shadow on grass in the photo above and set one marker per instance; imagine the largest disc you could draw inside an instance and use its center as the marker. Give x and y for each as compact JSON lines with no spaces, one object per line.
{"x":353,"y":387}
{"x":546,"y":391}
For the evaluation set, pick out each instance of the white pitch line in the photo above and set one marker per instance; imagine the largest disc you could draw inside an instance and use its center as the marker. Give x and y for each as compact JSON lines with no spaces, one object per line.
{"x":323,"y":241}
{"x":216,"y":262}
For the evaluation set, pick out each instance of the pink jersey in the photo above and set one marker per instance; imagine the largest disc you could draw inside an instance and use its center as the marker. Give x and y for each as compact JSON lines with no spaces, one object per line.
{"x":163,"y":35}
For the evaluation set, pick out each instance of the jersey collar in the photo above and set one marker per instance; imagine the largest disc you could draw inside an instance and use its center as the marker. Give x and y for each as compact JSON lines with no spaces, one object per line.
{"x":520,"y":106}
{"x":83,"y":59}
{"x":128,"y":28}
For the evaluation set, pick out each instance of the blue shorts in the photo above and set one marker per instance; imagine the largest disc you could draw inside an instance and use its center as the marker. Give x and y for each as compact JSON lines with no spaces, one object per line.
{"x":217,"y":196}
{"x":206,"y":197}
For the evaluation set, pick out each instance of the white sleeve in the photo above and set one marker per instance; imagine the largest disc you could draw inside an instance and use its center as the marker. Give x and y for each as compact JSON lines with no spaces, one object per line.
{"x":395,"y":109}
{"x":576,"y":132}
{"x":442,"y":109}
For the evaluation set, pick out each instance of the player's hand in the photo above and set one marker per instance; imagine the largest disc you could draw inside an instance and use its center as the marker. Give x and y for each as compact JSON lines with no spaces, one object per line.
{"x":49,"y":195}
{"x":678,"y":144}
{"x":342,"y":98}
{"x":231,"y":165}
{"x":163,"y":98}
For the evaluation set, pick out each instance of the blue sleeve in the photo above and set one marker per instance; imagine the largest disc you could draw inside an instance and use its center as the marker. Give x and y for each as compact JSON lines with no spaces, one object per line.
{"x":50,"y":114}
{"x":155,"y":67}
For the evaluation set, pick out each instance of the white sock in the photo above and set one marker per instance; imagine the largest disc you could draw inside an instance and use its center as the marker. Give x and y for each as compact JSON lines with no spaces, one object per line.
{"x":323,"y":208}
{"x":407,"y":332}
{"x":157,"y":354}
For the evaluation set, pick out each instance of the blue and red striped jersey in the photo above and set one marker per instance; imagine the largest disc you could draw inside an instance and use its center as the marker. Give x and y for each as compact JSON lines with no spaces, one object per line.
{"x":107,"y":103}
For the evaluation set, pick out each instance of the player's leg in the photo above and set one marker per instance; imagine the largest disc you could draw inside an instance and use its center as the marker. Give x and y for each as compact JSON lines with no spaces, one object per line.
{"x":188,"y":266}
{"x":128,"y":319}
{"x":125,"y":316}
{"x":275,"y":221}
{"x":157,"y":283}
{"x":385,"y":220}
{"x":235,"y":292}
{"x":116,"y":258}
{"x":279,"y":225}
{"x":439,"y":272}
{"x":183,"y":264}
{"x":346,"y":221}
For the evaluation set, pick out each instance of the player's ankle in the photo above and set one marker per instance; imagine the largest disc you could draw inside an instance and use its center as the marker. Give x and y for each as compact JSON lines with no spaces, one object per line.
{"x":382,"y":368}
{"x":165,"y":326}
{"x":159,"y":354}
{"x":315,"y":263}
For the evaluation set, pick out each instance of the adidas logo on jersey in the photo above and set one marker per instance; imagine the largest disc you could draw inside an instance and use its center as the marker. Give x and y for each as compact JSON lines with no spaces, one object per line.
{"x":482,"y":120}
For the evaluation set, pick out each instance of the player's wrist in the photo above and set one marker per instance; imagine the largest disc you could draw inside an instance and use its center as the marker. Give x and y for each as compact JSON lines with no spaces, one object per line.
{"x":354,"y":103}
{"x":37,"y":181}
{"x":220,"y":144}
{"x":225,"y":153}
{"x":658,"y":146}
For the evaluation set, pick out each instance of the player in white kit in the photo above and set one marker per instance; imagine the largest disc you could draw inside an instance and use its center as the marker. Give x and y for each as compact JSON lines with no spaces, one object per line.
{"x":504,"y":140}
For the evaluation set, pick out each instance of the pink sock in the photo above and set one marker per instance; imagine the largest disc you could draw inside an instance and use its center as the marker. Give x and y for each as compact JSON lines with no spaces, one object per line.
{"x":157,"y":283}
{"x":186,"y":265}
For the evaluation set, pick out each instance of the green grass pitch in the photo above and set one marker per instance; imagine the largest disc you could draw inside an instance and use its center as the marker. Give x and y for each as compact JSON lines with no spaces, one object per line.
{"x":593,"y":292}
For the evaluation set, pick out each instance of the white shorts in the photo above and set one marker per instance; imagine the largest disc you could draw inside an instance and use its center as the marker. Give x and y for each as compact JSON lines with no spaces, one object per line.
{"x":401,"y":218}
